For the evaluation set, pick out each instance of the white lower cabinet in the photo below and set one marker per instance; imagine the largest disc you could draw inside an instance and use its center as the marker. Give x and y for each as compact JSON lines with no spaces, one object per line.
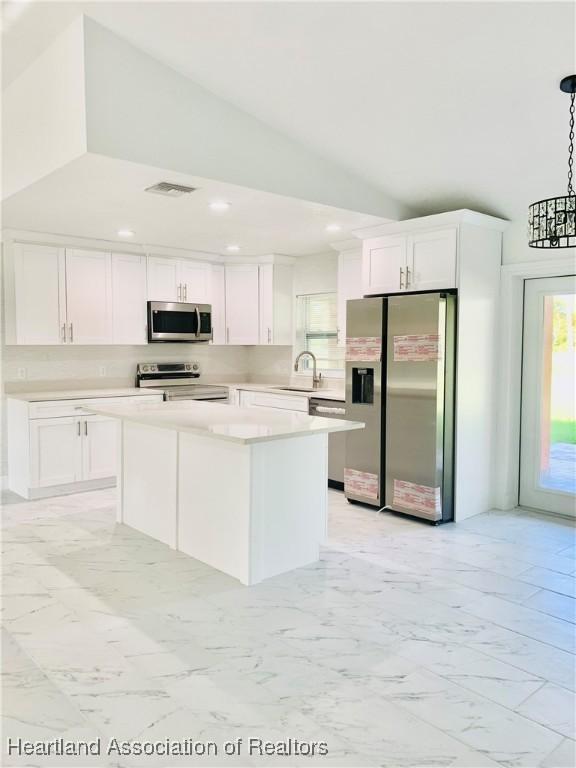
{"x":99,"y":447}
{"x":58,"y":446}
{"x":69,"y":450}
{"x":285,"y":402}
{"x":55,"y":453}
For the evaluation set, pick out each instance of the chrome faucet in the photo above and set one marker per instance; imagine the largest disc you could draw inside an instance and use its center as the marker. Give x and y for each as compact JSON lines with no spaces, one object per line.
{"x":316,"y":377}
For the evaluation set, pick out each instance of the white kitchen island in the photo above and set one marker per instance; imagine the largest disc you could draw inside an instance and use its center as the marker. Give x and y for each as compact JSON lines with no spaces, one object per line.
{"x":241,"y":489}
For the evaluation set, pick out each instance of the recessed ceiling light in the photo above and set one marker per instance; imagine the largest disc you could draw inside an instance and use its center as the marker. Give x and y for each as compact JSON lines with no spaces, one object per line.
{"x":333,"y":228}
{"x":232,"y":248}
{"x":219,"y":206}
{"x":125,"y":233}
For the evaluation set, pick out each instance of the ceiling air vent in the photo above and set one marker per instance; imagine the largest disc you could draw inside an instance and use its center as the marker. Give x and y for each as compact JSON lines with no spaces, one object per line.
{"x":169,"y":189}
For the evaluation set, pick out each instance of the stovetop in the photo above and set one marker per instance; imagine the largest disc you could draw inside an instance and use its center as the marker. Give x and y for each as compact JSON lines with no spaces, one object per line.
{"x":177,"y":381}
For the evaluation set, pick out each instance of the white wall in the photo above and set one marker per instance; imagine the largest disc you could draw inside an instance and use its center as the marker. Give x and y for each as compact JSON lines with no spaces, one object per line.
{"x":270,"y":364}
{"x":44,"y":113}
{"x":141,"y":110}
{"x":515,"y":248}
{"x":316,"y":274}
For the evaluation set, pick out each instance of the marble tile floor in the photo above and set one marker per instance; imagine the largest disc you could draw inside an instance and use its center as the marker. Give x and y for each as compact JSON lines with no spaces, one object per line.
{"x":406,"y":645}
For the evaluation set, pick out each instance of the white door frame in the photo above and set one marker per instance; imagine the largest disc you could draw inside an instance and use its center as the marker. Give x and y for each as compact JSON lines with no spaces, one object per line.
{"x":533,"y":493}
{"x":510,"y":370}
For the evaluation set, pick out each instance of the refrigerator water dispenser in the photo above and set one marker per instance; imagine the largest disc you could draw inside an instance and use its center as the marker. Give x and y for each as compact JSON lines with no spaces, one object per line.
{"x":363,"y":386}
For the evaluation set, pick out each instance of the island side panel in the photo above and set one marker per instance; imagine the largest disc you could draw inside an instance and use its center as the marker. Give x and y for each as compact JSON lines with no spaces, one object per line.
{"x":149,"y":467}
{"x":214,"y":503}
{"x":120,"y":472}
{"x":289,"y":504}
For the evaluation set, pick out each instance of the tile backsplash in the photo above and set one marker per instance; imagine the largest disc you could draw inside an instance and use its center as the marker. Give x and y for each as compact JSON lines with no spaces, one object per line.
{"x":33,"y":367}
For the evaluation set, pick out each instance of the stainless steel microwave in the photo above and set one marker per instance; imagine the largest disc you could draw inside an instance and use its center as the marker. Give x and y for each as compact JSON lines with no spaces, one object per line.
{"x":177,"y":321}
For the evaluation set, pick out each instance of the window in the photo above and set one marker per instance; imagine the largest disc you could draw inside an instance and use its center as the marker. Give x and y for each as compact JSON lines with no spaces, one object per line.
{"x":317,"y":332}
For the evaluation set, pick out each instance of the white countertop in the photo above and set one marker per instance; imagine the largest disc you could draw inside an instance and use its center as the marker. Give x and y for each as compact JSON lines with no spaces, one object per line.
{"x":226,"y":422}
{"x":80,"y":394}
{"x":278,"y":389}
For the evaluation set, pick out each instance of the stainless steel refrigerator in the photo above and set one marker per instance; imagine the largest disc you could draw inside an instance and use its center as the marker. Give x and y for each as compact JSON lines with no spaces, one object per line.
{"x":400,"y":382}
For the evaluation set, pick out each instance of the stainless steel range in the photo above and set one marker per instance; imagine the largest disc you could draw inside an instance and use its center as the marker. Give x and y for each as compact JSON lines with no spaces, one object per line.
{"x":178,"y":381}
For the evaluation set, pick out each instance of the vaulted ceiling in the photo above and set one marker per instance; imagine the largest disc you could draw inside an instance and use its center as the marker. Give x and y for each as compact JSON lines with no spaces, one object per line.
{"x":442,"y":105}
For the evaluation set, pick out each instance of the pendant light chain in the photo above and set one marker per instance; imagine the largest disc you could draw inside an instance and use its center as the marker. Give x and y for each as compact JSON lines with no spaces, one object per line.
{"x":571,"y":146}
{"x":552,"y":221}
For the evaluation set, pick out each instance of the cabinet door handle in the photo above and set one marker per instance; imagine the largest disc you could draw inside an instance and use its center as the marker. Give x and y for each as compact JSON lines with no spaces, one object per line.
{"x":269,"y":336}
{"x":64,"y":332}
{"x":178,"y":289}
{"x":86,"y":428}
{"x":78,"y":428}
{"x":185,"y":292}
{"x":408,"y":281}
{"x":71,"y":332}
{"x":401,"y":277}
{"x":227,"y":335}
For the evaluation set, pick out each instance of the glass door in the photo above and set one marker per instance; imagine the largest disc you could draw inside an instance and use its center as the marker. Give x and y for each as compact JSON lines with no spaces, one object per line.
{"x":548,"y":427}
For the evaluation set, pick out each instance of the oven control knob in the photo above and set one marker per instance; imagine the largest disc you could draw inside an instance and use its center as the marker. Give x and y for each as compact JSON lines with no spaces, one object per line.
{"x":188,"y":367}
{"x":145,"y":368}
{"x":195,"y":367}
{"x":153,"y":367}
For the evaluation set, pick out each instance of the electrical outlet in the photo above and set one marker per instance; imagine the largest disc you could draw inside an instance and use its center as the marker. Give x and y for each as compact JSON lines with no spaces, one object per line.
{"x":21,"y":373}
{"x":102,"y":370}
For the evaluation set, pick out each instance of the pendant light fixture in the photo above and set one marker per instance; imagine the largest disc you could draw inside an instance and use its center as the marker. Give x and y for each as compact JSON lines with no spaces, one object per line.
{"x":551,"y":222}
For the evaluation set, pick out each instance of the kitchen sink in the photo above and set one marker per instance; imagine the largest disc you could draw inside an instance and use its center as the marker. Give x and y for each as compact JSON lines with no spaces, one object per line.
{"x":294,"y":389}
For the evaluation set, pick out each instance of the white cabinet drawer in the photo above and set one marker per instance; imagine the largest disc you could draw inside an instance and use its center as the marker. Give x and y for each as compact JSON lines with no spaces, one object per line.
{"x":286,"y":402}
{"x":50,"y":409}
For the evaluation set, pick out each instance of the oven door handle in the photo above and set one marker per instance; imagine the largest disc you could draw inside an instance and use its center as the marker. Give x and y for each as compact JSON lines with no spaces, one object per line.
{"x":326,"y":409}
{"x":197,"y":321}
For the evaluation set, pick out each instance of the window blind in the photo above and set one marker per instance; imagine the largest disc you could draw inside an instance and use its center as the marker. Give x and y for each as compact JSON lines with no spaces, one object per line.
{"x":319,"y":330}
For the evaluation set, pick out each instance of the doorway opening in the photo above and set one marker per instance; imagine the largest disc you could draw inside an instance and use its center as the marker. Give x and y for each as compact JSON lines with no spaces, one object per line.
{"x":548,"y":418}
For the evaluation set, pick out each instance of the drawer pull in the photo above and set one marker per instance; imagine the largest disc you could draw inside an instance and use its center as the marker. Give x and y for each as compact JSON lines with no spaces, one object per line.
{"x":325,"y":409}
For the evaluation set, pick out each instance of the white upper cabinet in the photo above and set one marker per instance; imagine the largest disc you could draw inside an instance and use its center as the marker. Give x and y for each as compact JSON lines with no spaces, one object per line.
{"x":36,"y":296}
{"x":163,"y":283}
{"x":218,"y":301}
{"x":276,"y":304}
{"x":242,"y":300}
{"x":59,"y":295}
{"x":418,"y":261}
{"x":384,"y":264}
{"x":129,"y":299}
{"x":349,"y":286}
{"x":194,"y":281}
{"x":89,"y":296}
{"x":431,"y":260}
{"x":178,"y":280}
